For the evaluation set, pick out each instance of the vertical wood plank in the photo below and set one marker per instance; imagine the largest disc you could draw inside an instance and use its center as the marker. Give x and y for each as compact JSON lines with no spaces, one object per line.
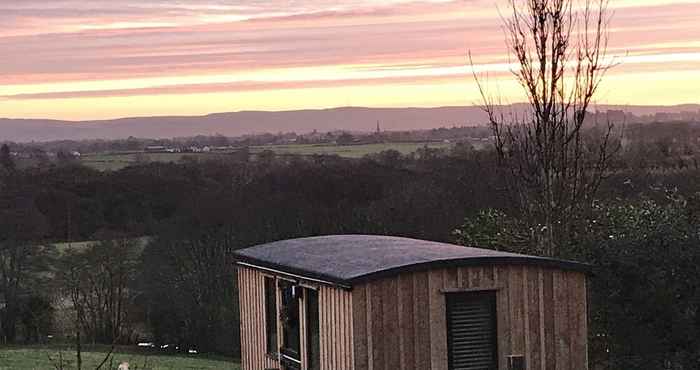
{"x":370,"y":316}
{"x":351,"y":330}
{"x":516,"y":305}
{"x":342,"y":320}
{"x":346,"y":330}
{"x":438,"y":325}
{"x":549,"y":314}
{"x":259,"y":328}
{"x":329,"y":327}
{"x":577,"y":308}
{"x":501,"y":277}
{"x":249,"y":320}
{"x":378,"y":351}
{"x":460,"y":277}
{"x":487,"y":276}
{"x":337,"y":335}
{"x":359,"y":320}
{"x":323,"y":328}
{"x":260,"y":322}
{"x":260,"y":292}
{"x":422,"y":321}
{"x":561,"y":321}
{"x":467,"y":277}
{"x":532,"y":317}
{"x":408,"y":322}
{"x":451,"y":278}
{"x":542,"y":317}
{"x":333,"y":331}
{"x":242,"y":314}
{"x":475,"y":277}
{"x":255,"y":319}
{"x":391,"y":325}
{"x":526,"y":321}
{"x":401,"y":321}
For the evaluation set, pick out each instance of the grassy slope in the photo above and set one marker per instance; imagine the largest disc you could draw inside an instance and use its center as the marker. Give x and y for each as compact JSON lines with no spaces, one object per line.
{"x":37,"y":358}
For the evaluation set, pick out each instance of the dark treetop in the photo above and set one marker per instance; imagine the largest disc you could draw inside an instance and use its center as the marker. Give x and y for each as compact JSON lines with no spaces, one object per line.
{"x":351,"y":259}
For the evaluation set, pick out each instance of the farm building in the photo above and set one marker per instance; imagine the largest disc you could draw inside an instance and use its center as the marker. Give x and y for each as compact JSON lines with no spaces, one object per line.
{"x":378,"y":302}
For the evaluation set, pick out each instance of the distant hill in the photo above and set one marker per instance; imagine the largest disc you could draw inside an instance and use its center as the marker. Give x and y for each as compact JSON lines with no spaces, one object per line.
{"x":248,"y":122}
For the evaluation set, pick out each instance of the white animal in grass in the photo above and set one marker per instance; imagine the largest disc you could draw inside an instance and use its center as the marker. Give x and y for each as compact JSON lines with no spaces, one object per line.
{"x":123,"y":366}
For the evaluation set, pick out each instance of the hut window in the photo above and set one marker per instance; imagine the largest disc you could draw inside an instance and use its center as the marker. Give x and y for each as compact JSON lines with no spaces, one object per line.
{"x":291,"y":335}
{"x":471,"y":331}
{"x":313,"y":346}
{"x":271,"y":315}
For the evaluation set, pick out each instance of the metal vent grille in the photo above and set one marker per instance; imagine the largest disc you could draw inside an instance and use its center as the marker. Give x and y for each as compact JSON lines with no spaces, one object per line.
{"x":471,"y":331}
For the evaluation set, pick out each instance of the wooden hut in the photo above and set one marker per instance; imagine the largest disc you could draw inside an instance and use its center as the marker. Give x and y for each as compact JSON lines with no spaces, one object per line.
{"x":377,"y":302}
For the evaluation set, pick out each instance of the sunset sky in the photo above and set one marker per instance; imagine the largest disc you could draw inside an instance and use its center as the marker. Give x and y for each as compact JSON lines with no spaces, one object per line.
{"x":80,"y":59}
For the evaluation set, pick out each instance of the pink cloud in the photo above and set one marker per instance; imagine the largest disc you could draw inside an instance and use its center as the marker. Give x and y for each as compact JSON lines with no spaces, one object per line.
{"x":276,"y":35}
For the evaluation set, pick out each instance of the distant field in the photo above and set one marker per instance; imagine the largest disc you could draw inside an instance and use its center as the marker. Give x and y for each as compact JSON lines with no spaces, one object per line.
{"x":37,"y":358}
{"x":347,"y":151}
{"x":116,"y":161}
{"x":75,"y":246}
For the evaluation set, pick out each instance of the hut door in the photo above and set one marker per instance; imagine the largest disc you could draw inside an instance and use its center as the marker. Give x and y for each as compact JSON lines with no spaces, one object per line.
{"x":471,"y":331}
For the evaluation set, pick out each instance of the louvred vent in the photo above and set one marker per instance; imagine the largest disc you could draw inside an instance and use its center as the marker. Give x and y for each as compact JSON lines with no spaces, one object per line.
{"x":471,"y":326}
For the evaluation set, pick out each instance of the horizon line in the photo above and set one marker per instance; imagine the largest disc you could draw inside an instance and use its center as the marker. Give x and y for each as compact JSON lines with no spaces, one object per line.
{"x":121,"y":118}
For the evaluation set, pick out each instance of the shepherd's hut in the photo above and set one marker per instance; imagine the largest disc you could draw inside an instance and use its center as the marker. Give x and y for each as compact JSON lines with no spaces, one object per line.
{"x":377,"y":302}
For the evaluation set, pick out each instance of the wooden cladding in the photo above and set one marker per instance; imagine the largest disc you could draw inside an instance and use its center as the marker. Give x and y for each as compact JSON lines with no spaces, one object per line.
{"x":401,"y":322}
{"x":336,"y":323}
{"x":251,"y":297}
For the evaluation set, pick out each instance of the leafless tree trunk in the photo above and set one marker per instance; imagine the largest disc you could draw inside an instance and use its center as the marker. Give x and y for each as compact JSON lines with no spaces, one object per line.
{"x":554,"y":167}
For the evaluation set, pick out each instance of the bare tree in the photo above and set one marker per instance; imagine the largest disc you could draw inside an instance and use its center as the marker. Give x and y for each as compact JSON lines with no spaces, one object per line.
{"x":553,"y":165}
{"x":98,"y":281}
{"x":22,"y":258}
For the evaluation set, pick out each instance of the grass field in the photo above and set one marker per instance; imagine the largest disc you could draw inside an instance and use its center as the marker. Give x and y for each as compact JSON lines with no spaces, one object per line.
{"x":116,"y":161}
{"x":37,"y":358}
{"x":347,"y":151}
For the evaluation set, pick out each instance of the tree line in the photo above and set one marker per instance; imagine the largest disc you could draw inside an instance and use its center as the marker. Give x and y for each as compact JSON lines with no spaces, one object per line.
{"x":177,"y":286}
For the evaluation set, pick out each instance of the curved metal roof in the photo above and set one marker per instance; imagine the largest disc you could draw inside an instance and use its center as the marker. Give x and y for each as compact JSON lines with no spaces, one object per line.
{"x":351,"y":259}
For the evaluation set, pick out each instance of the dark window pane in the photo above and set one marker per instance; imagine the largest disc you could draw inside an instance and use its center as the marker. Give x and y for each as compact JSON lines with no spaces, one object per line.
{"x":313,"y":335}
{"x":271,"y":315}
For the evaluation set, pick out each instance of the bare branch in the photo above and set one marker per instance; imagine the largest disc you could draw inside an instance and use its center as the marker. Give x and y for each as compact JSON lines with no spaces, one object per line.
{"x":553,"y":170}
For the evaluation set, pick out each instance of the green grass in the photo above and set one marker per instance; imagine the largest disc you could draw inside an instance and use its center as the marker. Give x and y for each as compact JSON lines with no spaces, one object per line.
{"x":63,"y":247}
{"x":347,"y":151}
{"x":117,"y":161}
{"x":37,"y":358}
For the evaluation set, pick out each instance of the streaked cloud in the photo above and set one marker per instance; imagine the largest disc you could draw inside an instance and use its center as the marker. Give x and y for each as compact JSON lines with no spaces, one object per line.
{"x":114,"y":53}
